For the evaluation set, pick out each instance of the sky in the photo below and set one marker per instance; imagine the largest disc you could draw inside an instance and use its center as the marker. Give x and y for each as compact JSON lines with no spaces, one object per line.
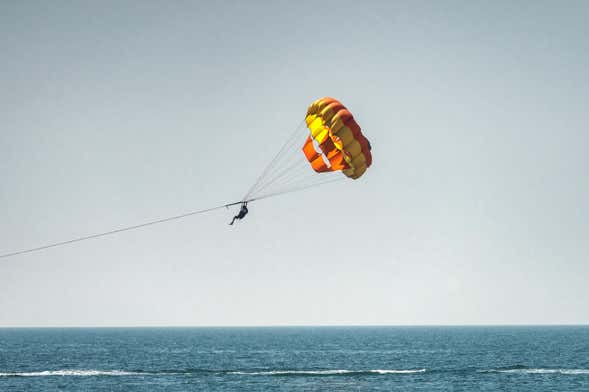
{"x":475,"y":210}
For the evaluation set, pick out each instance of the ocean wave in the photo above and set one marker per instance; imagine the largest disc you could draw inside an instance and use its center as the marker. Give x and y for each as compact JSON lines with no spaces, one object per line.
{"x":334,"y":372}
{"x":72,"y":372}
{"x":97,"y":373}
{"x":520,"y":370}
{"x":409,"y":371}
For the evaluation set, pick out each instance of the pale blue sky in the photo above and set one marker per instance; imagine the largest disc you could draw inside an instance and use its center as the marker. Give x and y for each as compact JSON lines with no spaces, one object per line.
{"x":475,"y":210}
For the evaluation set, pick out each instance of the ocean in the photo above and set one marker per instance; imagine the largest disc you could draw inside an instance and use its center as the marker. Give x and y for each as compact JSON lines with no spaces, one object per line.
{"x":522,"y":358}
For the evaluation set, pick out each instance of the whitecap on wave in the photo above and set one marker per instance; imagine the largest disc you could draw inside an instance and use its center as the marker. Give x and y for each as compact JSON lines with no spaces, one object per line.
{"x":95,"y":373}
{"x":540,"y":371}
{"x":379,"y":371}
{"x":327,"y":372}
{"x":70,"y":372}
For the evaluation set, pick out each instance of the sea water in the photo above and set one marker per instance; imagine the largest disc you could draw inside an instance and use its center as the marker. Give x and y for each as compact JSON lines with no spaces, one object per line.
{"x":296,"y":359}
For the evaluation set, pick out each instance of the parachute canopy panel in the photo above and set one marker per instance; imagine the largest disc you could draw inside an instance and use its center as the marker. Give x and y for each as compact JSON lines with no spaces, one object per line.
{"x":336,"y":142}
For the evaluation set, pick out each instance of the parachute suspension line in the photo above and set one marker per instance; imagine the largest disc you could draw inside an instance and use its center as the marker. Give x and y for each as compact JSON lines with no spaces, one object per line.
{"x":291,"y":161}
{"x":284,"y":147}
{"x":298,"y":175}
{"x":301,"y":181}
{"x":296,"y":189}
{"x":115,"y":231}
{"x":298,"y":172}
{"x":289,"y":171}
{"x":279,"y":176}
{"x":287,"y":156}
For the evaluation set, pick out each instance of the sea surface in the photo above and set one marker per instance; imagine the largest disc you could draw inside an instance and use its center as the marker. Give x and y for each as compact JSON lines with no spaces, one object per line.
{"x":296,"y":359}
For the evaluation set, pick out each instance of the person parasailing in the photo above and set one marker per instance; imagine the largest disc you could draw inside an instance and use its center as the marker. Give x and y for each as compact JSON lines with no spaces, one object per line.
{"x":241,"y":214}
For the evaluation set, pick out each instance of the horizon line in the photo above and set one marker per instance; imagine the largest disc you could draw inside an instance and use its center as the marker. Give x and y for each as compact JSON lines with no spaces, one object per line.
{"x":291,"y":326}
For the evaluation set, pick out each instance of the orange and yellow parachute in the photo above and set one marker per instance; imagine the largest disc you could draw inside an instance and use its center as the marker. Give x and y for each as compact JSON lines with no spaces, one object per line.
{"x":332,"y":143}
{"x":336,"y":142}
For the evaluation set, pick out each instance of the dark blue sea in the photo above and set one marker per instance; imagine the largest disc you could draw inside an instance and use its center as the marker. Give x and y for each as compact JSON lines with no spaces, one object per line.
{"x":296,"y":359}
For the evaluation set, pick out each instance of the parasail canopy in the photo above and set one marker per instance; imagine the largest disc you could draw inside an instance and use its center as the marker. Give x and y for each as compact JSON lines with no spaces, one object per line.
{"x":331,"y":142}
{"x":336,"y":141}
